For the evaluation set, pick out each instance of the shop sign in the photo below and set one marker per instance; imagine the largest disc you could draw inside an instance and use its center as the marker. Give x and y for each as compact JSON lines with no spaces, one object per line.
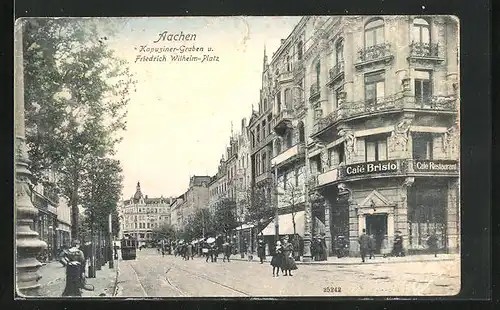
{"x":372,"y":167}
{"x":435,"y":165}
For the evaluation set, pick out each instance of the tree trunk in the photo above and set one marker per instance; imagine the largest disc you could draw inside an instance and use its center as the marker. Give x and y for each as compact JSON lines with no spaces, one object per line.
{"x":293,"y":222}
{"x":74,"y":213}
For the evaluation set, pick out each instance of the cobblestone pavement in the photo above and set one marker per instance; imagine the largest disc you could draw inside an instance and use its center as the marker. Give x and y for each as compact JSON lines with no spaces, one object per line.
{"x":53,"y":281}
{"x":152,"y":275}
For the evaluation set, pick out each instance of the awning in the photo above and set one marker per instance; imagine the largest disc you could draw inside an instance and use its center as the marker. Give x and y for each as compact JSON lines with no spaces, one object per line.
{"x":286,"y":225}
{"x":245,"y":226}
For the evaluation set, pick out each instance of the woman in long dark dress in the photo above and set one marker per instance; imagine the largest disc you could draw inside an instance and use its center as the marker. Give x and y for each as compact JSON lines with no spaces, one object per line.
{"x":277,"y":260}
{"x":288,"y":261}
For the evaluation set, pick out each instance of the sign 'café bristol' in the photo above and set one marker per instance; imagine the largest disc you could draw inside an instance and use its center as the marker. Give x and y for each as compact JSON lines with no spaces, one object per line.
{"x":371,"y":167}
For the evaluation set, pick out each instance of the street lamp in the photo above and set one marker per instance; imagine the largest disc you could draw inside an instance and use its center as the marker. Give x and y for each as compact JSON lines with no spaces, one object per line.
{"x":27,"y":242}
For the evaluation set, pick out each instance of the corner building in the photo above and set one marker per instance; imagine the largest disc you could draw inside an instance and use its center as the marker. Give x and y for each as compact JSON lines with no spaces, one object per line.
{"x":383,"y":128}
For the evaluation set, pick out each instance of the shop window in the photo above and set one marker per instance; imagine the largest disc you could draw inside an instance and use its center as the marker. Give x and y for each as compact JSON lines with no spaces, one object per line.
{"x":422,"y":145}
{"x":423,"y":87}
{"x":376,"y":148}
{"x":374,"y":87}
{"x":374,"y":32}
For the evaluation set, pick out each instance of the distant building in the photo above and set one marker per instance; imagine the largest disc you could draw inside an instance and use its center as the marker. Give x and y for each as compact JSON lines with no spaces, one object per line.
{"x":141,"y":215}
{"x":63,"y":230}
{"x":194,"y":199}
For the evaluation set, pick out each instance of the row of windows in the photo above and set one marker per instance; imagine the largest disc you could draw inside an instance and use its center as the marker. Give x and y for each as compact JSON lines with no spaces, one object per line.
{"x":376,"y":149}
{"x":142,"y":225}
{"x":261,"y":131}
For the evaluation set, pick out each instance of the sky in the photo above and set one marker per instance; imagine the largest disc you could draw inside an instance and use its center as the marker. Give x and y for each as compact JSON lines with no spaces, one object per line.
{"x":179,"y":119}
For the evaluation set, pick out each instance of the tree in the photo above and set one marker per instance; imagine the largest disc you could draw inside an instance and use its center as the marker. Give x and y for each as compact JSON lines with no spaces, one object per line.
{"x":76,"y":93}
{"x":102,"y":187}
{"x":292,"y":194}
{"x":165,"y":231}
{"x":224,"y":217}
{"x":259,"y":206}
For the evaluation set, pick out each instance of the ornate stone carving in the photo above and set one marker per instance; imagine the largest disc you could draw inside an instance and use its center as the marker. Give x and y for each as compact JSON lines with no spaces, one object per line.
{"x":451,"y":141}
{"x":408,"y":182}
{"x":324,"y":159}
{"x":350,"y":143}
{"x":398,"y":140}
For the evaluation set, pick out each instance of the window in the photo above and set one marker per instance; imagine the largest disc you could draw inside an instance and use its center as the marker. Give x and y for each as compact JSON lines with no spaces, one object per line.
{"x":141,"y":236}
{"x":149,"y":225}
{"x":285,"y":180}
{"x":288,"y":64}
{"x":318,"y":72}
{"x":299,"y":50}
{"x":423,"y":87}
{"x":253,"y":138}
{"x":258,"y":133}
{"x":288,"y":99}
{"x":289,"y":139}
{"x":257,"y":165}
{"x":269,"y":120}
{"x":339,"y":51}
{"x":374,"y":32}
{"x":422,"y":145}
{"x":421,"y":31}
{"x":278,"y":146}
{"x":263,"y":129}
{"x":301,"y":133}
{"x":374,"y":87}
{"x":376,"y":148}
{"x":297,"y":174}
{"x":341,"y":153}
{"x":278,"y":102}
{"x":337,"y":96}
{"x":265,"y":104}
{"x":264,"y":161}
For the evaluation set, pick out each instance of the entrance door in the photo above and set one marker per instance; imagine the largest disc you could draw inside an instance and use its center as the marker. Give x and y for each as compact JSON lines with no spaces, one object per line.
{"x":376,"y":225}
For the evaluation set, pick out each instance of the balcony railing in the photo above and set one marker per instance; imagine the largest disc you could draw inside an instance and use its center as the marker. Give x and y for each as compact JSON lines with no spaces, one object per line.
{"x":336,"y":72}
{"x":420,"y":49}
{"x":287,"y":155}
{"x":281,"y":119}
{"x":375,"y":53}
{"x":314,"y":91}
{"x":388,"y":104}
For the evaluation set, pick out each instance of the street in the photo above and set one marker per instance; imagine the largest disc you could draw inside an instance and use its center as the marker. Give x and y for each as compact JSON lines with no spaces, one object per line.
{"x":152,"y":275}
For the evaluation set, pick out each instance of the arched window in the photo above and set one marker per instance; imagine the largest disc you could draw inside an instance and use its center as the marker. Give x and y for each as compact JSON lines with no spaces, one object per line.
{"x":288,"y":99}
{"x":374,"y":32}
{"x":278,"y":102}
{"x":299,"y":50}
{"x":302,"y":137}
{"x":318,"y":72}
{"x":421,"y":31}
{"x":339,"y":51}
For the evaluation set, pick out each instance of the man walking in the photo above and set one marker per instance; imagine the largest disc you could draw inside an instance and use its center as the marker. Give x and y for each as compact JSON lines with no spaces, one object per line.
{"x":261,"y":250}
{"x":363,"y":244}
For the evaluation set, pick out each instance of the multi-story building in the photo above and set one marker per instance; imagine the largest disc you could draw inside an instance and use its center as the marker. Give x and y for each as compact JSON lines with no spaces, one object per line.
{"x":45,"y":223}
{"x":367,"y":107}
{"x":243,"y":176}
{"x":176,"y":212}
{"x":218,"y":187}
{"x":196,"y":197}
{"x":383,"y":112}
{"x":261,"y":138}
{"x":141,"y":215}
{"x":63,"y":230}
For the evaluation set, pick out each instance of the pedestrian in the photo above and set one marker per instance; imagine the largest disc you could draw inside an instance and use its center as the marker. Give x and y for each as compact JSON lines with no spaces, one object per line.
{"x":75,"y":270}
{"x":432,"y":243}
{"x":363,"y":244}
{"x":277,"y":260}
{"x":397,"y":249}
{"x":226,"y":248}
{"x":296,"y":248}
{"x":371,"y":246}
{"x":288,"y":262}
{"x":315,"y":249}
{"x":189,"y":251}
{"x":262,"y":251}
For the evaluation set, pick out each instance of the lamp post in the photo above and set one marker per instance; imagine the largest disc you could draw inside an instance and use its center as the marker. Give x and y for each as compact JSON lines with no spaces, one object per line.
{"x":27,"y":242}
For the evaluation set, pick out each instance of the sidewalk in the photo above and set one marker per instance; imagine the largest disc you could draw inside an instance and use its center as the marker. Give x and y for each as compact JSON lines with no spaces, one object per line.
{"x":333,"y":260}
{"x":53,"y":281}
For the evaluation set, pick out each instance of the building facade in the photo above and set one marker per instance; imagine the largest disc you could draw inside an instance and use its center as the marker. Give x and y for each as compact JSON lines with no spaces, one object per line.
{"x":63,"y":230}
{"x":46,"y":223}
{"x":218,"y":187}
{"x":242,"y":180}
{"x":141,"y":215}
{"x":196,"y":197}
{"x":383,"y":96}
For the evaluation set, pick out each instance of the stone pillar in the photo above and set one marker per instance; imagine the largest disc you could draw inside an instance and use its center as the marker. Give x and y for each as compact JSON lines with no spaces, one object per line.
{"x":453,"y":217}
{"x":401,"y":213}
{"x":328,"y":234}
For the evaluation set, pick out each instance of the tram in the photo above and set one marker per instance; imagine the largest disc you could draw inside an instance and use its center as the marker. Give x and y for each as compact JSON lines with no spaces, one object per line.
{"x":128,"y":248}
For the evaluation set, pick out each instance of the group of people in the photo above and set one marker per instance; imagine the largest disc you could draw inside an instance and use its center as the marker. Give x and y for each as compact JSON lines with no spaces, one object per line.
{"x":283,"y":258}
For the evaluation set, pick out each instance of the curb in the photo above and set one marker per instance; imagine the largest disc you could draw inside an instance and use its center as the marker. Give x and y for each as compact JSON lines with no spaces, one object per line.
{"x":357,"y":263}
{"x":115,"y":287}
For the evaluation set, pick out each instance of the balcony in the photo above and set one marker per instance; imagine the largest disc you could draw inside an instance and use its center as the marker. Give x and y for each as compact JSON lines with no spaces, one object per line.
{"x":288,"y":155}
{"x":328,"y":177}
{"x":263,"y":177}
{"x":326,"y":122}
{"x":424,"y":53}
{"x":285,"y":77}
{"x":336,"y":73}
{"x":374,"y":55}
{"x":314,"y":92}
{"x":282,"y":120}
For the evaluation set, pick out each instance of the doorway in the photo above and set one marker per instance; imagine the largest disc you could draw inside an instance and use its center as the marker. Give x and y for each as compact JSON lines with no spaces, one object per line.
{"x":376,"y":225}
